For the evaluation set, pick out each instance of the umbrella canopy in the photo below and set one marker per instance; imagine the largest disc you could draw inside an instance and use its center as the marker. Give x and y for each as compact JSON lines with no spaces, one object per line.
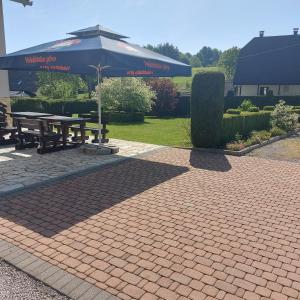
{"x":92,"y":47}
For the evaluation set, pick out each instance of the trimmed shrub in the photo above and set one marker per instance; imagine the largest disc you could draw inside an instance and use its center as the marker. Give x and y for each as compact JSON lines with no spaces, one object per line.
{"x":58,"y":107}
{"x":246,"y":105}
{"x":126,"y":117}
{"x":260,"y":101}
{"x":269,"y":108}
{"x":244,"y":124}
{"x":116,"y":117}
{"x":254,"y":109}
{"x":233,"y":111}
{"x":207,"y":106}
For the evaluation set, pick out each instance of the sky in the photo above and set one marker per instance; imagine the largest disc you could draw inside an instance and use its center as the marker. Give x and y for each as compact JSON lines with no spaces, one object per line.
{"x":188,"y":24}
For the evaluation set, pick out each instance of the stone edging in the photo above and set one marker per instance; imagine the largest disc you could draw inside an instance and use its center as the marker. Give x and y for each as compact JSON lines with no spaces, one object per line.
{"x":248,"y":149}
{"x":56,"y":278}
{"x":81,"y":172}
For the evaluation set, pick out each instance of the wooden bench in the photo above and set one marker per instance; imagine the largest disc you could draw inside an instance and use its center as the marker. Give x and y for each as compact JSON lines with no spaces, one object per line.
{"x":94,"y":131}
{"x":37,"y":134}
{"x":7,"y":130}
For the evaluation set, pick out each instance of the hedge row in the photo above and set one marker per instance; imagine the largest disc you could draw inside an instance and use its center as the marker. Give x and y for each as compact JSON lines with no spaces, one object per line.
{"x":58,"y":107}
{"x":234,"y":102}
{"x":116,"y":117}
{"x":183,"y":106}
{"x":244,"y":124}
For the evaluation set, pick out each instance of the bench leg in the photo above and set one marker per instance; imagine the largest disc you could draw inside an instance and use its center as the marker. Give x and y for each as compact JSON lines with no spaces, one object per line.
{"x":96,"y":137}
{"x":75,"y":137}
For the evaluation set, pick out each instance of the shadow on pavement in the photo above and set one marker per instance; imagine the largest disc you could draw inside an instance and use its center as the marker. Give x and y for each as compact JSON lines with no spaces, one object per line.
{"x":208,"y":161}
{"x":50,"y":209}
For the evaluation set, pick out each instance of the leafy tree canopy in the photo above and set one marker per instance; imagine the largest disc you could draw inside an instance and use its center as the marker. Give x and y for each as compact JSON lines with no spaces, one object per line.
{"x":228,"y":61}
{"x":60,"y":85}
{"x":209,"y":56}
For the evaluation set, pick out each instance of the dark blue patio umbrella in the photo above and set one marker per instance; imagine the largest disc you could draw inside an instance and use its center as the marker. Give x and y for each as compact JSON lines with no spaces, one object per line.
{"x":95,"y":49}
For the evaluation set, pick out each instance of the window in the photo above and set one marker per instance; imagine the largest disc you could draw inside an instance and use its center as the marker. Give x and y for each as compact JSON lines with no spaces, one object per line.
{"x":263,"y":90}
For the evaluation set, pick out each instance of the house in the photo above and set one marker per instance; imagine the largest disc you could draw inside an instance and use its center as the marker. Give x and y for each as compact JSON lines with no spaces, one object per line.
{"x":269,"y":65}
{"x":22,"y":83}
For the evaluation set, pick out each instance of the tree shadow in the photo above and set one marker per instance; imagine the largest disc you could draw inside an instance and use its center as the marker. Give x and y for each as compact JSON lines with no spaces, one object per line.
{"x":209,"y":161}
{"x":51,"y":208}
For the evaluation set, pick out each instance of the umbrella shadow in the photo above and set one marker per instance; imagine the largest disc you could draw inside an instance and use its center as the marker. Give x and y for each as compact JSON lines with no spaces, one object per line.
{"x":53,"y":208}
{"x":209,"y":161}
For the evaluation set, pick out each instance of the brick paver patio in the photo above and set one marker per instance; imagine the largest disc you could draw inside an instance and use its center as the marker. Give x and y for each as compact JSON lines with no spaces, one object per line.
{"x":173,"y":225}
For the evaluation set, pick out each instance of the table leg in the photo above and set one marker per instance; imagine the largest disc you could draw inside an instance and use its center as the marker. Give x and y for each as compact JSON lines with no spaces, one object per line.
{"x":64,"y":128}
{"x":82,"y":133}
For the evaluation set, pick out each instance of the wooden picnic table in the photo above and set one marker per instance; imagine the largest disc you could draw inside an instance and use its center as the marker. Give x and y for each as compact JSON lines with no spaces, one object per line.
{"x":65,"y":123}
{"x":29,"y":115}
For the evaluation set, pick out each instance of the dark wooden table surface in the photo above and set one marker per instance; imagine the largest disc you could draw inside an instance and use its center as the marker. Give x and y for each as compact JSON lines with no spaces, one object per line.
{"x":29,"y":114}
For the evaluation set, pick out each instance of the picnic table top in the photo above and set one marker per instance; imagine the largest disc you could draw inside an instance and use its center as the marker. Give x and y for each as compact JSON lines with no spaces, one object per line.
{"x":64,"y":119}
{"x":29,"y":114}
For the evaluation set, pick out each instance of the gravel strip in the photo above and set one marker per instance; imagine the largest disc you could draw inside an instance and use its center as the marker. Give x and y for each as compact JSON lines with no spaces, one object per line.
{"x":17,"y":285}
{"x":287,"y":150}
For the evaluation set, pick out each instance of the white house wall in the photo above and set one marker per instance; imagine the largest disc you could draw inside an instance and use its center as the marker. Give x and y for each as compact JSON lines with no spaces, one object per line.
{"x":248,"y":90}
{"x":283,"y":90}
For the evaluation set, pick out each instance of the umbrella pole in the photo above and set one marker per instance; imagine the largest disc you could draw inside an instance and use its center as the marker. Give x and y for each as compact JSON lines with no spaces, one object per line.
{"x":99,"y":116}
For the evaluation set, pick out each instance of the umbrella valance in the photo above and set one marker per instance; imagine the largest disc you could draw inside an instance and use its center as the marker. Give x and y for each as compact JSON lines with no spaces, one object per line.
{"x":91,"y":48}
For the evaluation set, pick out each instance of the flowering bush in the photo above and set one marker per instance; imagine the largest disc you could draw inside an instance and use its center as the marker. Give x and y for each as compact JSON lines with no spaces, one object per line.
{"x":126,"y":94}
{"x":166,"y":92}
{"x":283,"y":117}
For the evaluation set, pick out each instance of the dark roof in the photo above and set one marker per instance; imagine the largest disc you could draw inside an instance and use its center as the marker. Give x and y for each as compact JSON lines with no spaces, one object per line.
{"x":269,"y":60}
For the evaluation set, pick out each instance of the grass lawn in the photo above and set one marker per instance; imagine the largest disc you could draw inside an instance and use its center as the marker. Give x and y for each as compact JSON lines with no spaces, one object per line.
{"x":185,"y":83}
{"x":159,"y":131}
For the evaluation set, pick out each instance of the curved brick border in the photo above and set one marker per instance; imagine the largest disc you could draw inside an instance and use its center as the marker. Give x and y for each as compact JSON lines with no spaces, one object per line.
{"x":58,"y":279}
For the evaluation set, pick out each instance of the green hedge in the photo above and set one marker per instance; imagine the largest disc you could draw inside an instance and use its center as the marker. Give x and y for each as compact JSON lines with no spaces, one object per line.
{"x":53,"y":106}
{"x":116,"y":117}
{"x":126,"y":117}
{"x":233,"y":111}
{"x":207,"y":105}
{"x":261,"y":101}
{"x":244,"y":124}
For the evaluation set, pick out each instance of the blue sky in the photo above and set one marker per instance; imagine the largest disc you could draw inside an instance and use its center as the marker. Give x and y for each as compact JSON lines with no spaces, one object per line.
{"x":188,"y":24}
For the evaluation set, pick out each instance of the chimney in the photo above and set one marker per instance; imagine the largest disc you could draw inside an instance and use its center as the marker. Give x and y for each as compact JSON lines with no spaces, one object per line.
{"x":296,"y":31}
{"x":261,"y":33}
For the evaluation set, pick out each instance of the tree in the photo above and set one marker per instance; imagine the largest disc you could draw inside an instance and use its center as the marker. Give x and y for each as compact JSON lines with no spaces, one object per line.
{"x":228,"y":61}
{"x":126,"y":94}
{"x":183,"y":58}
{"x":195,"y":62}
{"x":208,"y":56}
{"x":60,"y":85}
{"x":166,"y":49}
{"x":166,"y":93}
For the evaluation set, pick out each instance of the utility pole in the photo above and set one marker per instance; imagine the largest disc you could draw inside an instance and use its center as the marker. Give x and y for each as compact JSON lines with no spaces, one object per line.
{"x":4,"y":83}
